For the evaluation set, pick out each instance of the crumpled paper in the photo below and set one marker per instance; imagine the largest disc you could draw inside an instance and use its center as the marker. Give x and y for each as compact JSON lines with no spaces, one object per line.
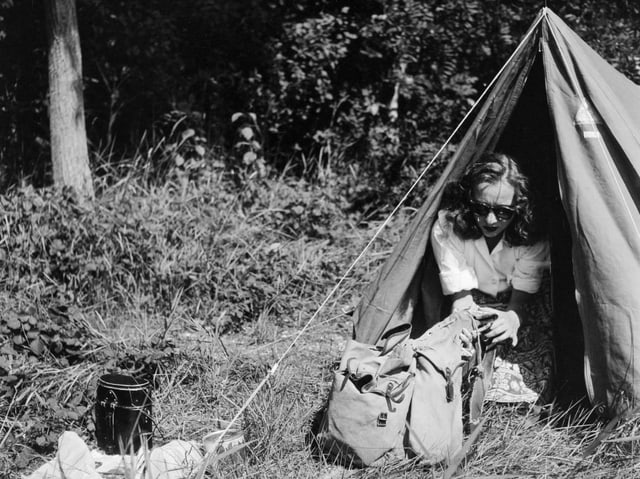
{"x":175,"y":460}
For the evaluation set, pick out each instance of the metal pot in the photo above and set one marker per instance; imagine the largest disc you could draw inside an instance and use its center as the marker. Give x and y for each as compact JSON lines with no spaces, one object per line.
{"x":123,"y":414}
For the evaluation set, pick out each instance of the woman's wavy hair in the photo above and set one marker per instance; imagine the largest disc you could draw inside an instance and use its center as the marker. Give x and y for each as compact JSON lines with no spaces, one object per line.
{"x":490,"y":168}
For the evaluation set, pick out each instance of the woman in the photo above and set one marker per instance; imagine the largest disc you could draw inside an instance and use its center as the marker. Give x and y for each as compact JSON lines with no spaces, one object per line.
{"x":492,"y":259}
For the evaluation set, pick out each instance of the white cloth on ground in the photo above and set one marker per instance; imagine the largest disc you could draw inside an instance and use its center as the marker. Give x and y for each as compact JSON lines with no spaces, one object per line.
{"x":174,"y":460}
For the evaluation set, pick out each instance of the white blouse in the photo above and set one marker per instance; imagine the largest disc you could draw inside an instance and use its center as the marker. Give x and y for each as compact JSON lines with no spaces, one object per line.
{"x":468,"y":264}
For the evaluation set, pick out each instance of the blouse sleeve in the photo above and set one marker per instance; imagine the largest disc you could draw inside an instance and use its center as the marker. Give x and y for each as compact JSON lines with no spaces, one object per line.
{"x":531,"y":261}
{"x":448,"y":248}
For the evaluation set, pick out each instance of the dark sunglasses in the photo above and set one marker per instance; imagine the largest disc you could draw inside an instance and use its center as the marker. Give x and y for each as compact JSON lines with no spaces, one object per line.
{"x":502,"y":212}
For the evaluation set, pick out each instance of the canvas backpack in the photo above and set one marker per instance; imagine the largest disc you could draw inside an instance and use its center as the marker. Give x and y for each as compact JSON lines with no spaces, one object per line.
{"x":403,"y":399}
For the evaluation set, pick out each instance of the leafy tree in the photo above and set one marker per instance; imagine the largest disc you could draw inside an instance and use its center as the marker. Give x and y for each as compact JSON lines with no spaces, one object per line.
{"x":369,"y":84}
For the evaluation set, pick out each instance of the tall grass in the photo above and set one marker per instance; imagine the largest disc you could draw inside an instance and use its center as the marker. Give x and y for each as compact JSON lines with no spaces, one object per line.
{"x":167,"y":281}
{"x":200,"y":285}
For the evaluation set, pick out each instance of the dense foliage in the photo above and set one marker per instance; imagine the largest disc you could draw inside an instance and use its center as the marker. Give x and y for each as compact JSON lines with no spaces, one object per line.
{"x":370,"y":84}
{"x":152,"y":251}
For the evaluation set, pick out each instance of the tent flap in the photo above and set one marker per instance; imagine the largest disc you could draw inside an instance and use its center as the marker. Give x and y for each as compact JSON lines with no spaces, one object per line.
{"x":596,"y":115}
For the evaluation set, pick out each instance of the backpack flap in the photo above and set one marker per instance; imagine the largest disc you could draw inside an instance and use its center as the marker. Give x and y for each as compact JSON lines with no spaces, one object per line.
{"x":360,"y":359}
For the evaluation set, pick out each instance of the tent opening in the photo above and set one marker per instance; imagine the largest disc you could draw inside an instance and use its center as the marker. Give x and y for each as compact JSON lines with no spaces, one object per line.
{"x":530,"y":137}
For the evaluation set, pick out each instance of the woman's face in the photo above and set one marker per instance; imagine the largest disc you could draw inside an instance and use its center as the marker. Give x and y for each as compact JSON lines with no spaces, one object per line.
{"x":492,"y":205}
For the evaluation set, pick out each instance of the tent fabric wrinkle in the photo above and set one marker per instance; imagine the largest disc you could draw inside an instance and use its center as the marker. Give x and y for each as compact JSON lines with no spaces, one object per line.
{"x":574,"y":123}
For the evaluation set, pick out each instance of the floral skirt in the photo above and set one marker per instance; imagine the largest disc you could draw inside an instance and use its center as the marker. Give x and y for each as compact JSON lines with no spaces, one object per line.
{"x":524,"y":373}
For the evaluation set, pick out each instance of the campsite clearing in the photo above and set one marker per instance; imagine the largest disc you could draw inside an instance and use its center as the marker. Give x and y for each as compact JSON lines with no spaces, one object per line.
{"x":202,"y":288}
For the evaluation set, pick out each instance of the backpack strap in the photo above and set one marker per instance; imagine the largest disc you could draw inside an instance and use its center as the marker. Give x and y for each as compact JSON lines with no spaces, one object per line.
{"x":481,"y":377}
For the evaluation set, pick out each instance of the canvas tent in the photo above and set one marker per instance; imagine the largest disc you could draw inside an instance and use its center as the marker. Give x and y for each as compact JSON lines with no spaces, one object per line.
{"x":573,"y":122}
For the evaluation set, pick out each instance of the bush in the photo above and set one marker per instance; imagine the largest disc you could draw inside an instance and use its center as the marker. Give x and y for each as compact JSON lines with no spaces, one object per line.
{"x":185,"y":239}
{"x":79,"y":286}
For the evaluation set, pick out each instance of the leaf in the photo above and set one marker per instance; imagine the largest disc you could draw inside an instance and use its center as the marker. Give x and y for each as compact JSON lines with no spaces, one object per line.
{"x":199,"y":150}
{"x":273,"y":247}
{"x":91,"y":266}
{"x":73,"y":415}
{"x":57,"y":246}
{"x":36,"y":346}
{"x":41,"y":441}
{"x":247,"y":133}
{"x":235,"y":116}
{"x":188,"y":133}
{"x":14,"y":323}
{"x":6,"y":349}
{"x":179,"y":160}
{"x":249,"y":157}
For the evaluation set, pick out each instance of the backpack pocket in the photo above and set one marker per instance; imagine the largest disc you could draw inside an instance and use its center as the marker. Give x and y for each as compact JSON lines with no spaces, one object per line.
{"x":368,"y":405}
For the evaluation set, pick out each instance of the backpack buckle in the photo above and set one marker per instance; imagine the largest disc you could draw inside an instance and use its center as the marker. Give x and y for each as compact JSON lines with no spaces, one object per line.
{"x":382,"y":419}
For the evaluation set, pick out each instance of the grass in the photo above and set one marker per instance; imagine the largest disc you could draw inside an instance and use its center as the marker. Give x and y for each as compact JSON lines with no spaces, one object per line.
{"x":253,"y":267}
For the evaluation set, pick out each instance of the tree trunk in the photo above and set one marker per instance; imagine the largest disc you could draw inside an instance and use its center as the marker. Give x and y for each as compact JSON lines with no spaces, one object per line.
{"x":69,"y":152}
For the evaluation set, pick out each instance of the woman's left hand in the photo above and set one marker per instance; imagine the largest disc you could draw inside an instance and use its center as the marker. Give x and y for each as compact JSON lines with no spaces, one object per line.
{"x":503,"y":328}
{"x":466,"y":339}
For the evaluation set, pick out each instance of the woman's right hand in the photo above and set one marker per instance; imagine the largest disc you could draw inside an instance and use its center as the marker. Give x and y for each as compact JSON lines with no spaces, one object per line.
{"x":502,"y":327}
